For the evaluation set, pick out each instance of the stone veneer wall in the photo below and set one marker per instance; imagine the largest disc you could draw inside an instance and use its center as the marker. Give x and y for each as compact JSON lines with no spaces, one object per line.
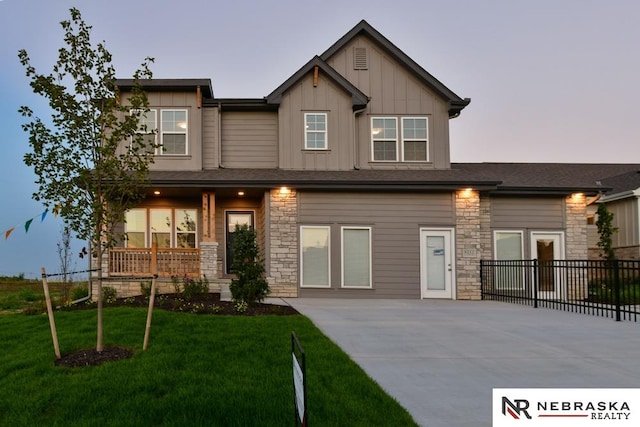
{"x":210,"y":264}
{"x":283,"y":244}
{"x":576,"y":246}
{"x":468,"y":244}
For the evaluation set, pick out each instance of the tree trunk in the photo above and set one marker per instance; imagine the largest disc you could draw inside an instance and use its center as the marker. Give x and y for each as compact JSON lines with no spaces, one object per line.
{"x":99,"y":340}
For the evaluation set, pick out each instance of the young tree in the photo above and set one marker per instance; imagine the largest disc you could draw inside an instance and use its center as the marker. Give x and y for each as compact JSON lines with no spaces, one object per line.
{"x":605,"y":231}
{"x":249,"y":285}
{"x":63,"y":248}
{"x":81,"y":167}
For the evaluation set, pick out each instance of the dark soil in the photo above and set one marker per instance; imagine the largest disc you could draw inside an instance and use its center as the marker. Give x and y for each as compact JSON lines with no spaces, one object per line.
{"x":197,"y":304}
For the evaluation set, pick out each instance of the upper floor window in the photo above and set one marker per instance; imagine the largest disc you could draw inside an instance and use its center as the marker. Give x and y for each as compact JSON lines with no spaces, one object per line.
{"x":147,"y":127}
{"x":315,"y":131}
{"x":409,"y":143}
{"x":173,"y":133}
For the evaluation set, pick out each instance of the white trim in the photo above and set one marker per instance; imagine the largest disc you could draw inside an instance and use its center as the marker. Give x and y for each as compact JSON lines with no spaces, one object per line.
{"x":373,"y":139}
{"x":171,"y":226}
{"x":559,"y":283}
{"x":446,"y":293}
{"x":426,"y":139}
{"x":342,"y":229}
{"x":495,"y":256}
{"x":301,"y":262}
{"x":325,"y":132}
{"x":160,"y":149}
{"x":146,"y":226}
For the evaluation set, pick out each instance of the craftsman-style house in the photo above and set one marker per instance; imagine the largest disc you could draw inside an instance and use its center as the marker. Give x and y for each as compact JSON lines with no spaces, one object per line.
{"x":344,"y":171}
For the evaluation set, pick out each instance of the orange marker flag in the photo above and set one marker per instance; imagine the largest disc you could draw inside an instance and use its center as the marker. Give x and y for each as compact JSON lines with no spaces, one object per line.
{"x":8,"y":233}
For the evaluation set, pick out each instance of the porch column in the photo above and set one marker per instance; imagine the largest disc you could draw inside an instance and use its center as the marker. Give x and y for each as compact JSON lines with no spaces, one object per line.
{"x":208,"y":244}
{"x":282,"y":236}
{"x":468,"y":248}
{"x":576,"y":245}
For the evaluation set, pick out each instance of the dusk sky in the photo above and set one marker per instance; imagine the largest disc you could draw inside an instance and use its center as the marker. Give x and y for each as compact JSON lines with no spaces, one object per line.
{"x":549,"y":80}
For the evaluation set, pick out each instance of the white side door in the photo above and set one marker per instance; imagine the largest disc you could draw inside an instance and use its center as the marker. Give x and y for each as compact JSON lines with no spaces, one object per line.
{"x":436,"y":263}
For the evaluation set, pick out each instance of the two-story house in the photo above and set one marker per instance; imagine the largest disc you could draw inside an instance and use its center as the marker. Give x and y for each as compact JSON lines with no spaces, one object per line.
{"x":344,"y":171}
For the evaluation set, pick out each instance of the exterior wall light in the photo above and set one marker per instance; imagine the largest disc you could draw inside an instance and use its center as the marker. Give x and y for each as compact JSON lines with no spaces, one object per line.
{"x":240,"y":193}
{"x":285,"y":191}
{"x":156,"y":192}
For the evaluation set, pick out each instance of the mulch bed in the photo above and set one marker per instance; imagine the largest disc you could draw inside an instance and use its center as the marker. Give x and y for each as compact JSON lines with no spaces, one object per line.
{"x":197,"y":304}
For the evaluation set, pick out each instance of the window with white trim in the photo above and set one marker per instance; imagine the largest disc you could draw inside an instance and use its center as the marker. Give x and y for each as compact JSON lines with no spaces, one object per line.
{"x":384,"y":137}
{"x":508,"y":246}
{"x":173,"y":133}
{"x":168,"y":228}
{"x":148,"y":128}
{"x":315,"y":131}
{"x":356,"y":257}
{"x":408,"y":142}
{"x":414,"y":139}
{"x":315,"y":256}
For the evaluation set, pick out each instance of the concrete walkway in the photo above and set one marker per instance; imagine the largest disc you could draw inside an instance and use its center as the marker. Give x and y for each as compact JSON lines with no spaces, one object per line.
{"x":441,"y":359}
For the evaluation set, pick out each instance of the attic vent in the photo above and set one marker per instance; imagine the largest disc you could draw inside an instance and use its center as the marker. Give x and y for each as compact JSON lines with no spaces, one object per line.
{"x":360,"y":60}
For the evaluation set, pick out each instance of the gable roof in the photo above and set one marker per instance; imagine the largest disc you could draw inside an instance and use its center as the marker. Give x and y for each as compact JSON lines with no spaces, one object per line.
{"x":456,"y":104}
{"x":359,"y":100}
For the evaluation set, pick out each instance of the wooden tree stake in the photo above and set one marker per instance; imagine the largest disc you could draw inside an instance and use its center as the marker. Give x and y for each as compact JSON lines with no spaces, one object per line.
{"x":52,"y":322}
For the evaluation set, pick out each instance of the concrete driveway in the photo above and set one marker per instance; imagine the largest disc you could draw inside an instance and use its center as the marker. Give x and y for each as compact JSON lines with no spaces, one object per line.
{"x":441,"y":359}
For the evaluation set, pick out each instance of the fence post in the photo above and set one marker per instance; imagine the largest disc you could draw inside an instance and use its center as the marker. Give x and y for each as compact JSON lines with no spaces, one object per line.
{"x":482,"y":279}
{"x":535,"y":283}
{"x":616,"y":286}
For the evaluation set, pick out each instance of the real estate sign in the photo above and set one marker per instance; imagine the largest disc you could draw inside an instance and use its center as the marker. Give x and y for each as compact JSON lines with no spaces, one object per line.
{"x":299,"y":381}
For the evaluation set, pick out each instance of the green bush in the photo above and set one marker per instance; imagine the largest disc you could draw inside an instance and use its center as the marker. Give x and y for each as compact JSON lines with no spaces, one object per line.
{"x":79,"y":292}
{"x":109,"y":294}
{"x":28,"y":295}
{"x":189,"y":287}
{"x":145,"y":289}
{"x":249,"y":285}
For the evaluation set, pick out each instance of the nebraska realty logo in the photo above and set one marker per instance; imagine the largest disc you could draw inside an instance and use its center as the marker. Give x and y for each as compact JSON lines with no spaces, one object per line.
{"x":566,"y":407}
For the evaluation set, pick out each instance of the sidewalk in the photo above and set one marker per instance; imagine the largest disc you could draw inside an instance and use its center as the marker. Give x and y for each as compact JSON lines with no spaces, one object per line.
{"x":441,"y":359}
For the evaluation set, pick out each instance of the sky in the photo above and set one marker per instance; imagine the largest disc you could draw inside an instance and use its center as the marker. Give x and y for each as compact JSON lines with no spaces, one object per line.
{"x":549,"y":80}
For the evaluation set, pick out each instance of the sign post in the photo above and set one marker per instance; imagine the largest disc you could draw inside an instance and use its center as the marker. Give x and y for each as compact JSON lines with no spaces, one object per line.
{"x":299,"y":381}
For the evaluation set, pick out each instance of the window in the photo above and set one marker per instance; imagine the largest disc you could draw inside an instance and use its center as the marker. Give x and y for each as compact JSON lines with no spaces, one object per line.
{"x":414,"y":139}
{"x":148,"y":128}
{"x":166,"y":227}
{"x":356,"y":257}
{"x":315,"y":134}
{"x":136,"y":228}
{"x":314,"y":254}
{"x":173,"y":132}
{"x":508,"y":247}
{"x":385,"y":140}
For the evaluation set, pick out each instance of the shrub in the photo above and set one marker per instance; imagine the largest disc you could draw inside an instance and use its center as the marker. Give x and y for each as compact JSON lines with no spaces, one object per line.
{"x":189,"y":287}
{"x":109,"y":294}
{"x":249,"y":285}
{"x":28,"y":295}
{"x":79,"y":292}
{"x":145,"y":289}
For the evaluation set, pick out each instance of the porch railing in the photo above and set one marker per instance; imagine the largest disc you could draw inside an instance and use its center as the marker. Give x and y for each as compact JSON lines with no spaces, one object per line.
{"x":140,"y":262}
{"x":597,"y":287}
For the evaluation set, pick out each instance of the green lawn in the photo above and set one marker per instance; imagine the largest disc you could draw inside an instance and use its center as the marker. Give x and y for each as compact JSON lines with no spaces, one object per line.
{"x":198,"y":370}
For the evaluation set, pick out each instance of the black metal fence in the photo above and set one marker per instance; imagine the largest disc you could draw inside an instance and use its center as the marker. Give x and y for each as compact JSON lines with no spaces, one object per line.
{"x":596,"y":287}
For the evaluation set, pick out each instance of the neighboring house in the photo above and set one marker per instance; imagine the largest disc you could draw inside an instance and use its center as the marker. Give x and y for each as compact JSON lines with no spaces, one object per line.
{"x":623,"y":200}
{"x":344,"y":171}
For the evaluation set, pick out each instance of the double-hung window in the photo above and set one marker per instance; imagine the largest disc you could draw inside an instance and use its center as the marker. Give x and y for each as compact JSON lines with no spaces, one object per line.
{"x":384,"y":134}
{"x":394,"y":140}
{"x":148,"y":128}
{"x":173,"y":132}
{"x":414,"y":139}
{"x":315,"y":256}
{"x":315,"y":131}
{"x":356,"y":257}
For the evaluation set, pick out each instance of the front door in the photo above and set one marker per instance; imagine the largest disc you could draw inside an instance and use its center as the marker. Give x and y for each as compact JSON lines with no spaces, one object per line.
{"x":234,"y":218}
{"x":436,"y":263}
{"x":547,"y":247}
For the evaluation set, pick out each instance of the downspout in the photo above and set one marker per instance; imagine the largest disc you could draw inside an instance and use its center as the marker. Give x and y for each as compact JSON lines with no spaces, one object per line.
{"x":356,"y":138}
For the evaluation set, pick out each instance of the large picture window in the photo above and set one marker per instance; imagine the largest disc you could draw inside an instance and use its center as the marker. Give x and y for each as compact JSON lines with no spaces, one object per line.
{"x":315,"y":256}
{"x":356,"y":257}
{"x":315,"y":134}
{"x":508,"y":247}
{"x":167,"y":228}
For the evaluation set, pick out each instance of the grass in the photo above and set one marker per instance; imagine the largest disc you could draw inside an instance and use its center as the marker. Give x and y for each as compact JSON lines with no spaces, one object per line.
{"x":18,"y":293}
{"x":198,"y":370}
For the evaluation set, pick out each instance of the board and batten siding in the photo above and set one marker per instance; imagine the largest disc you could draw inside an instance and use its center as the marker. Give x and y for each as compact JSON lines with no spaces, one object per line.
{"x":249,"y":140}
{"x":535,"y":213}
{"x":210,"y":143}
{"x":327,"y":98}
{"x":625,"y":218}
{"x":393,"y":90}
{"x":395,"y":221}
